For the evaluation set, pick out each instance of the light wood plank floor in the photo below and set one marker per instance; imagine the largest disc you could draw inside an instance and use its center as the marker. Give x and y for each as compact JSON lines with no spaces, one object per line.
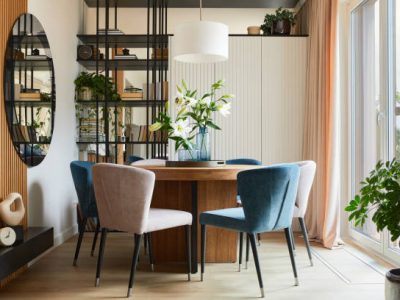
{"x":337,"y":274}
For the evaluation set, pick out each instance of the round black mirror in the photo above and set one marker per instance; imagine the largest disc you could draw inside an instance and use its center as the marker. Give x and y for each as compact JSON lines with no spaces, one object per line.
{"x":29,"y":89}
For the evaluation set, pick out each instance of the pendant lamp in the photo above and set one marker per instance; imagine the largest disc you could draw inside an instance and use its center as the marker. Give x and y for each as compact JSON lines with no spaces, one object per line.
{"x":200,"y":41}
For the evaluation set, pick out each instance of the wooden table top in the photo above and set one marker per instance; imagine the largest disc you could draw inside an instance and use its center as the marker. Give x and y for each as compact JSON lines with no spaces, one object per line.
{"x":227,"y":172}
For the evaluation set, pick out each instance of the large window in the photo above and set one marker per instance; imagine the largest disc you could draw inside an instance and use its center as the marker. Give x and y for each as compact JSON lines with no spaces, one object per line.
{"x":375,"y":88}
{"x":367,"y":101}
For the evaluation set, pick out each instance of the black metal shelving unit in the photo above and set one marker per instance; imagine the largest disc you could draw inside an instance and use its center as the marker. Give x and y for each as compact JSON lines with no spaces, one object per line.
{"x":107,"y":112}
{"x":26,"y":36}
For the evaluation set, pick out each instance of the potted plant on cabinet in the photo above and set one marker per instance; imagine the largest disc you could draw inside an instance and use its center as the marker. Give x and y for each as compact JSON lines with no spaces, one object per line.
{"x":380,"y":194}
{"x":279,"y":23}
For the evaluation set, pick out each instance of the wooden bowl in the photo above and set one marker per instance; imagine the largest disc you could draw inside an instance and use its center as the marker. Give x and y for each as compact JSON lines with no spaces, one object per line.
{"x":254,"y":30}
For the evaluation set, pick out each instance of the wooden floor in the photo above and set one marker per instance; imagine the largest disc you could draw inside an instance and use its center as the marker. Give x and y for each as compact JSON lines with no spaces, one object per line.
{"x":338,"y":274}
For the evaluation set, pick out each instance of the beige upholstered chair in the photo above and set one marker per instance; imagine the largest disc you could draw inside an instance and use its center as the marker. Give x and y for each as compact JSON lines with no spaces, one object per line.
{"x":149,"y":162}
{"x":123,"y":195}
{"x":307,"y":174}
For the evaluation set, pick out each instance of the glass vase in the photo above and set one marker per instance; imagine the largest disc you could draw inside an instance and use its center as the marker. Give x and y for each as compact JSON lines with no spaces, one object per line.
{"x":188,"y":155}
{"x":203,"y":144}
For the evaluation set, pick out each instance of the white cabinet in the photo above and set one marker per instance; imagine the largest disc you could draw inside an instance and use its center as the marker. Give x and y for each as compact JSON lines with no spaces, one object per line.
{"x":268,"y":77}
{"x":241,"y":131}
{"x":284,"y":65}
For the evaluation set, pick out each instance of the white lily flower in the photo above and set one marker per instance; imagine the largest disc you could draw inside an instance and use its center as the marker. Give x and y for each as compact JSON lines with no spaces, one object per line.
{"x":181,"y":128}
{"x":190,"y":101}
{"x":224,"y":109}
{"x":206,"y":101}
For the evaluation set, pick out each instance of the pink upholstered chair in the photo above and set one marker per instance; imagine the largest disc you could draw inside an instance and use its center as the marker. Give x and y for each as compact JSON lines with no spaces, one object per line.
{"x":307,"y":174}
{"x":123,"y":195}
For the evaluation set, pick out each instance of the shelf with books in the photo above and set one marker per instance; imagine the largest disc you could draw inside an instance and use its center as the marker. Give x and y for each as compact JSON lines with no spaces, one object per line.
{"x":32,"y":40}
{"x":124,"y":40}
{"x":108,"y":55}
{"x":122,"y":103}
{"x":126,"y":64}
{"x":36,"y":64}
{"x":29,"y":103}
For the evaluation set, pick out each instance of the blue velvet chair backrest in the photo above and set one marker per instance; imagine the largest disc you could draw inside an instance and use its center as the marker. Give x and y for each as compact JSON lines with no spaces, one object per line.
{"x":82,"y":176}
{"x":268,"y":196}
{"x":133,"y":158}
{"x":243,"y":161}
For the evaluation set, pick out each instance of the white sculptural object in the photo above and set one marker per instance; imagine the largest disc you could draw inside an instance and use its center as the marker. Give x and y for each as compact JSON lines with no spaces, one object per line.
{"x":8,"y":216}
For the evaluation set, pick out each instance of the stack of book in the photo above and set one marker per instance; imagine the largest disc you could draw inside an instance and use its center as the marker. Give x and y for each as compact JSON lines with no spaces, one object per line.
{"x":129,"y":96}
{"x":28,"y":97}
{"x":24,"y":133}
{"x":88,"y":130}
{"x":160,"y":53}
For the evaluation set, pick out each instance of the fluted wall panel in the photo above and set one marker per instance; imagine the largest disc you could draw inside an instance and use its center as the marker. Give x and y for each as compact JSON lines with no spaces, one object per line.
{"x":284,"y":64}
{"x":241,"y":131}
{"x":12,"y":169}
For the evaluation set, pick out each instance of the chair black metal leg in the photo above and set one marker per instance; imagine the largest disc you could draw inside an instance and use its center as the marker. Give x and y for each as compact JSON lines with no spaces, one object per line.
{"x":96,"y":233}
{"x":203,"y":249}
{"x":256,"y":261}
{"x":240,"y":249}
{"x":306,"y":241}
{"x":101,"y":255}
{"x":247,"y":251}
{"x":145,"y":237}
{"x":188,"y":232}
{"x":150,"y":249}
{"x":292,"y":239}
{"x":134,"y":263}
{"x":259,"y":239}
{"x":292,"y":260}
{"x":82,"y":227}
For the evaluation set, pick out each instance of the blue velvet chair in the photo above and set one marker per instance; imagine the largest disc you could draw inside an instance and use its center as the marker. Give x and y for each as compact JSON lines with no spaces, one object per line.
{"x":268,"y":196}
{"x":133,"y":158}
{"x":243,"y":161}
{"x":82,"y":177}
{"x":253,"y":162}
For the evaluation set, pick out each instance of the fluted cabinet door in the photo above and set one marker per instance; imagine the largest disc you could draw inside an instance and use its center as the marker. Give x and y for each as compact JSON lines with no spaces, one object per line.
{"x":284,"y":68}
{"x":241,"y":131}
{"x":198,"y":77}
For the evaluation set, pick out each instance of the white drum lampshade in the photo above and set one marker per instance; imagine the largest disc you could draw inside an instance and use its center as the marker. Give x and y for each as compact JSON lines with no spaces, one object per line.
{"x":200,"y":42}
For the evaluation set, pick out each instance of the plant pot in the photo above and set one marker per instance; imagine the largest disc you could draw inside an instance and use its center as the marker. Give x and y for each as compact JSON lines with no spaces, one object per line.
{"x":281,"y":27}
{"x":254,"y":30}
{"x":392,"y":285}
{"x":85,"y":94}
{"x":188,"y":155}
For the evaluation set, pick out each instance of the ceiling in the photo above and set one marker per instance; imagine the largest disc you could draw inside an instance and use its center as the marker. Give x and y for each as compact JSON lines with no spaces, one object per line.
{"x":206,"y":3}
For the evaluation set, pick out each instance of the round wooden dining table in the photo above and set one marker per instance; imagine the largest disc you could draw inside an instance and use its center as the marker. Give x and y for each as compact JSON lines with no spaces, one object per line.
{"x":195,"y":190}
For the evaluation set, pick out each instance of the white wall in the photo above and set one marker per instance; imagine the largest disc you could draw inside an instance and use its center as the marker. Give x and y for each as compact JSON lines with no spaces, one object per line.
{"x":50,"y":186}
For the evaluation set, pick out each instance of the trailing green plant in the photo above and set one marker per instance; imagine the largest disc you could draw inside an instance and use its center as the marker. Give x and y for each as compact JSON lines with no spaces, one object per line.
{"x":281,"y":14}
{"x":268,"y":24}
{"x":380,"y":194}
{"x":100,"y":85}
{"x":284,"y":15}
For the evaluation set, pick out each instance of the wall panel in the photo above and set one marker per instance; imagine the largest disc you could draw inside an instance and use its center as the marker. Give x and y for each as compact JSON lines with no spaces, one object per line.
{"x":241,"y":131}
{"x":12,"y":170}
{"x":284,"y":65}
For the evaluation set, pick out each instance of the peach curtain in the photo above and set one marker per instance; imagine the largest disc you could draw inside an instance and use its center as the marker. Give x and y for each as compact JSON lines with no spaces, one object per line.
{"x":319,"y":137}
